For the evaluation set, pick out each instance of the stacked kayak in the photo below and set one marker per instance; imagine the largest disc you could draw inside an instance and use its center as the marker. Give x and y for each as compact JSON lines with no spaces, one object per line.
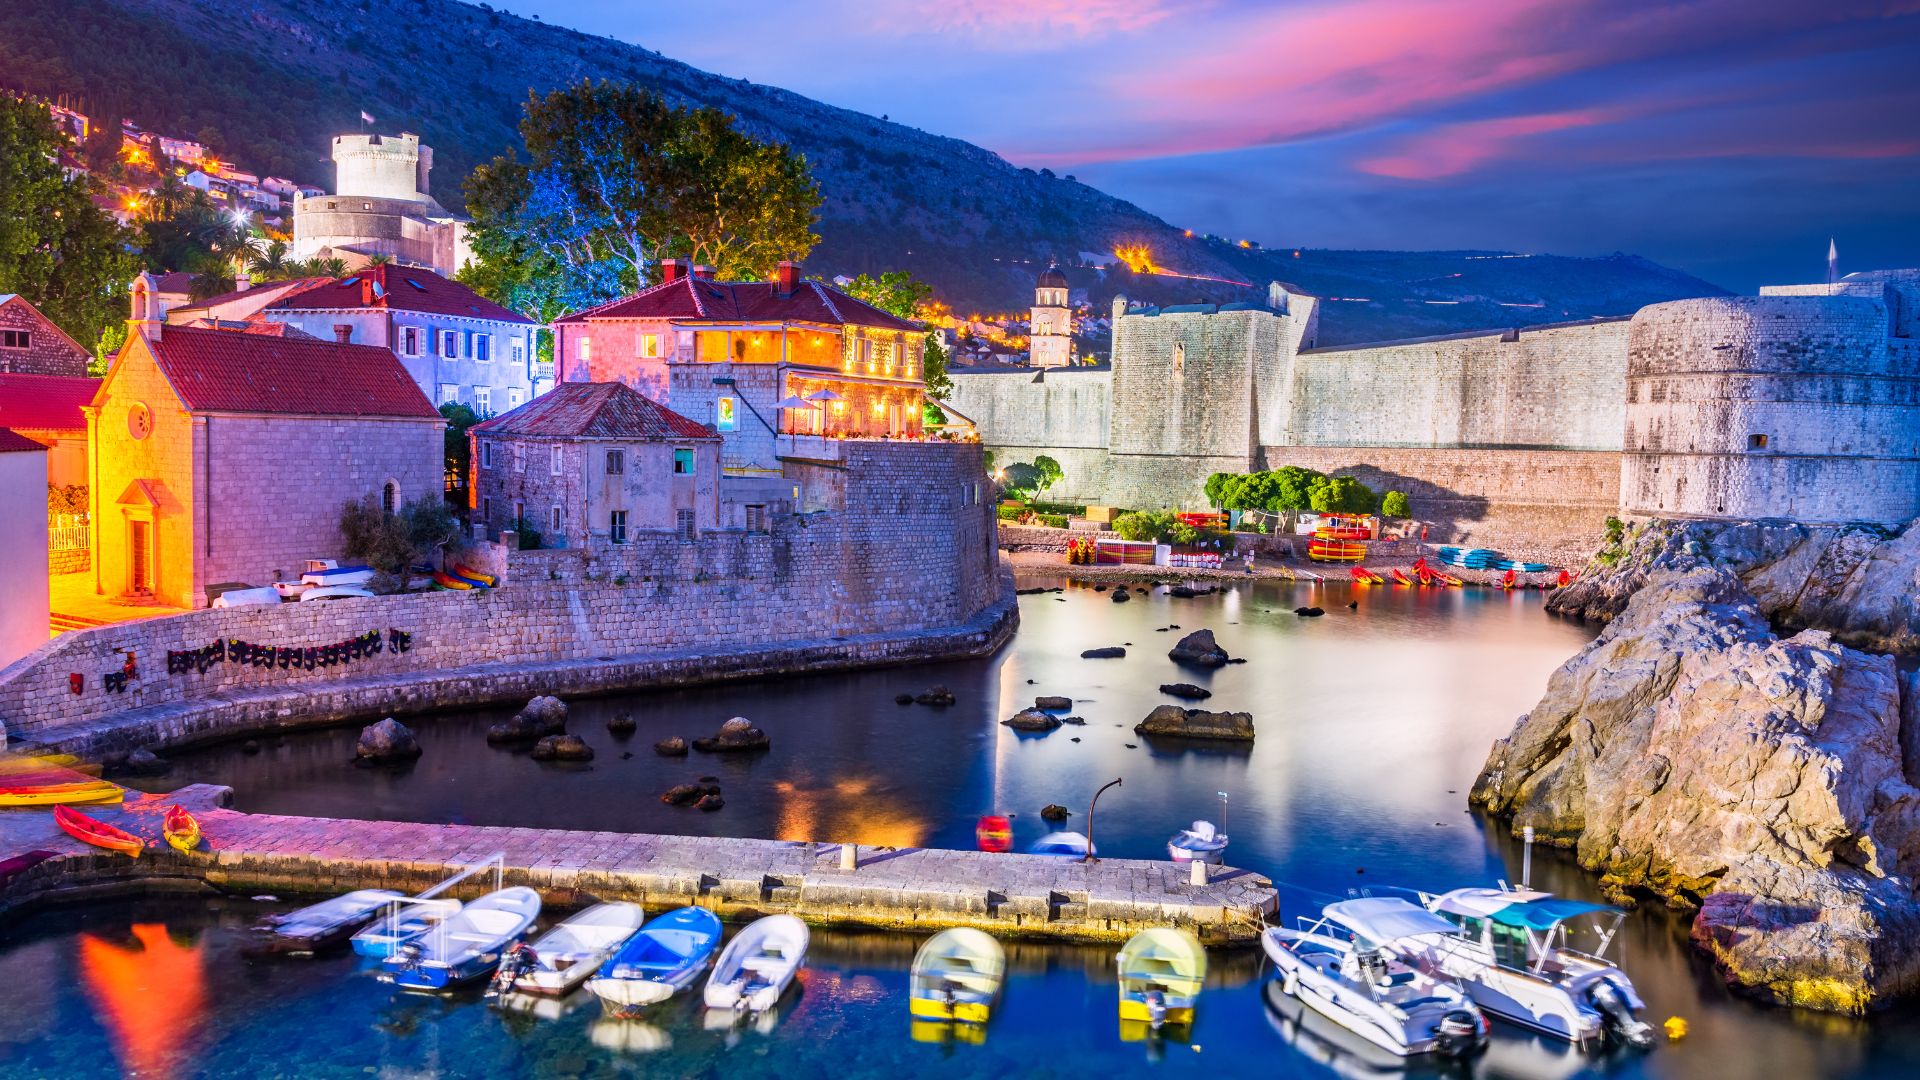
{"x":52,"y":780}
{"x":1488,"y":559}
{"x":462,"y":578}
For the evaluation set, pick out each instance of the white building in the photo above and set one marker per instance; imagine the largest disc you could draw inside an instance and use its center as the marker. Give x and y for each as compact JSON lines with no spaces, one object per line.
{"x":1050,"y":331}
{"x":23,"y":536}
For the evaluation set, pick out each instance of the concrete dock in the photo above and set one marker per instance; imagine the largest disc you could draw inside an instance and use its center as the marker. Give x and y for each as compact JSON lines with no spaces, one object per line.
{"x":920,"y":889}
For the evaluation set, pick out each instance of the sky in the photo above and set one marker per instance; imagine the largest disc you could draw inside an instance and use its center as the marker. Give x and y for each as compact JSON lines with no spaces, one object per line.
{"x":1727,"y":138}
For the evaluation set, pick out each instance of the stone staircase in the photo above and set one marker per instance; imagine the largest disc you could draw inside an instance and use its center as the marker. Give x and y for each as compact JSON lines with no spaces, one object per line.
{"x":61,"y":623}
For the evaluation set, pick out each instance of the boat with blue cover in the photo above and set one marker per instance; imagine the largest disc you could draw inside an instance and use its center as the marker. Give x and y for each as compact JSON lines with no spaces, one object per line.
{"x":664,"y":958}
{"x":466,"y":945}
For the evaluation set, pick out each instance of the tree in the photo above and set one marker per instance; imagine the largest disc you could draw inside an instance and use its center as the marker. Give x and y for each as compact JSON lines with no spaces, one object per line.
{"x":933,"y":367}
{"x":392,"y":543}
{"x":1021,"y":480}
{"x":1050,"y":472}
{"x":616,"y":180}
{"x":1155,"y":525}
{"x":57,"y":249}
{"x":112,"y":337}
{"x":459,"y":451}
{"x":894,"y":292}
{"x":1292,"y":488}
{"x":1341,"y":495}
{"x":1216,"y":488}
{"x":1394,"y":504}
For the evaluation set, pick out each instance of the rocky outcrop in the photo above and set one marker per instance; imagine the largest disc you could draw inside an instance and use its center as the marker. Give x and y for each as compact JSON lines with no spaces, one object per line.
{"x":1032,"y":720}
{"x":1186,"y":690}
{"x":622,"y":724}
{"x":734,"y":735}
{"x":387,"y":741}
{"x":1858,"y":582}
{"x":1198,"y":649}
{"x":1690,"y":753}
{"x":1107,"y":652}
{"x":1049,"y":701}
{"x":938,"y":696}
{"x":1176,"y":722}
{"x":671,"y":746}
{"x":544,"y":715}
{"x":562,"y":748}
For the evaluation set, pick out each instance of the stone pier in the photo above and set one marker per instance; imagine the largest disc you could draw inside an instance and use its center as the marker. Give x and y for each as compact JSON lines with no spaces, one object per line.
{"x":914,"y":889}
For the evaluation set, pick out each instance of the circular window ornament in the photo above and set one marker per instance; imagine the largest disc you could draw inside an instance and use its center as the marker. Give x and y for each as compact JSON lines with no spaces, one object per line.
{"x":139,"y":421}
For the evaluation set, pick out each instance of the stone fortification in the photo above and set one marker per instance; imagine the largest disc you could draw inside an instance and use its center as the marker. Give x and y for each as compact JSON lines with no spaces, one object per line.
{"x":909,"y":553}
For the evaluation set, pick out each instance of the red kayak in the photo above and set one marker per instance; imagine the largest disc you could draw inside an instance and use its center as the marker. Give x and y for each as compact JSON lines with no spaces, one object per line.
{"x":96,"y":832}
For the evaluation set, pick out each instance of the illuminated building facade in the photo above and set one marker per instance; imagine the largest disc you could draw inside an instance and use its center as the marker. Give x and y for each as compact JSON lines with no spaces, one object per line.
{"x":1050,"y":328}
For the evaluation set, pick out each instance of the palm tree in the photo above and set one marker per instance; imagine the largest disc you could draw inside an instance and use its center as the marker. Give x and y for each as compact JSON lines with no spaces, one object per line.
{"x":270,"y":263}
{"x":381,"y":259}
{"x":335,"y":267}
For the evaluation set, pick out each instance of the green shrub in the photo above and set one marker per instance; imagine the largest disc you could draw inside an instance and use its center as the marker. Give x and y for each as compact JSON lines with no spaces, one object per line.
{"x":1394,"y":504}
{"x":1068,"y":509}
{"x":1149,"y":525}
{"x":1010,"y":511}
{"x":1053,"y":521}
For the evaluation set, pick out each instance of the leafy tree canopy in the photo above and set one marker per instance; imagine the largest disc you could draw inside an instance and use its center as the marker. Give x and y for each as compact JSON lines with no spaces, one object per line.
{"x":1394,"y":504}
{"x":894,"y":292}
{"x":615,"y":180}
{"x":57,"y":249}
{"x":1341,"y":495}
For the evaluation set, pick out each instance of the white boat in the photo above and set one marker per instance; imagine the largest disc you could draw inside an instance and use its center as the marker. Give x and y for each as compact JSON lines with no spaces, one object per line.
{"x":757,"y":965}
{"x":334,"y":592}
{"x":1344,"y":966}
{"x":339,"y":575}
{"x":1071,"y":844}
{"x":246,"y":597}
{"x":1511,"y":952}
{"x":1203,"y":842}
{"x":1162,"y":971}
{"x":403,"y":921}
{"x":465,"y":946}
{"x":661,"y":960}
{"x":567,"y":955}
{"x":329,"y":922}
{"x":956,"y":975}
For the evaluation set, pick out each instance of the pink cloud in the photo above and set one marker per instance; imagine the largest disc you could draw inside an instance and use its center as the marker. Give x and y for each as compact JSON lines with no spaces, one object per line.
{"x":1024,"y":24}
{"x":1457,"y":148}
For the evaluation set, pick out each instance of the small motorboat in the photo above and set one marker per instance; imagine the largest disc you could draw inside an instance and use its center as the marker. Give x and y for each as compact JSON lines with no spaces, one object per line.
{"x":1072,"y":844}
{"x":1344,"y":966}
{"x":338,"y":575}
{"x":664,"y":958}
{"x":465,"y":945}
{"x":321,"y":926}
{"x":994,"y":833}
{"x":180,"y":828}
{"x":405,"y":919}
{"x":561,"y":959}
{"x":1203,"y":841}
{"x":956,"y":975}
{"x":335,"y":592}
{"x":1161,"y":973}
{"x":248,"y":597}
{"x":1511,"y":952}
{"x":757,"y":965}
{"x":96,"y":832}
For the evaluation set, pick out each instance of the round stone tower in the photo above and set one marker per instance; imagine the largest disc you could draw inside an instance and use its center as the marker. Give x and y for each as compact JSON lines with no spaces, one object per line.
{"x":382,"y":166}
{"x":1791,"y":406}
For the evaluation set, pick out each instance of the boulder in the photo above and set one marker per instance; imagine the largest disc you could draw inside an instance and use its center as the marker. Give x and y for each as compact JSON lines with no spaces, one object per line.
{"x":1198,"y":649}
{"x":388,"y":740}
{"x":1051,"y":702}
{"x":517,"y":728}
{"x":903,"y":699}
{"x":1109,"y":652}
{"x":1120,"y":595}
{"x":1032,"y":720}
{"x":1188,"y":592}
{"x":562,"y":748}
{"x":688,"y":794}
{"x":736,"y":734}
{"x":1186,"y":690}
{"x":710,"y":802}
{"x":547,"y":713}
{"x":622,"y":724}
{"x":1102,"y":588}
{"x":1077,"y":721}
{"x":141,"y":762}
{"x":1309,"y":612}
{"x":1172,"y":720}
{"x":673,"y":746}
{"x":935,"y":695}
{"x":1691,"y":753}
{"x":1055,"y":812}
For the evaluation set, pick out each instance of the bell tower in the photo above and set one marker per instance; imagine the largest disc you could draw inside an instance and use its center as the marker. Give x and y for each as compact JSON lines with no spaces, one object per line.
{"x":1050,"y":331}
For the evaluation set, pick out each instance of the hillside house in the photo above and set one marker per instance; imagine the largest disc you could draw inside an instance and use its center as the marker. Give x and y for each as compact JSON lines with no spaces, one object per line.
{"x":30,"y":344}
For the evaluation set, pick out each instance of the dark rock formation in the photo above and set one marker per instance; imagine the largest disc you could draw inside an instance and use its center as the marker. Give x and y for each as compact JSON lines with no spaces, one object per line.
{"x":673,"y":746}
{"x":1051,"y":702}
{"x":1032,"y":720}
{"x":1055,"y":812}
{"x":1120,"y":595}
{"x":690,"y":794}
{"x":935,"y":695}
{"x":903,"y":699}
{"x":1309,"y":612}
{"x":1188,"y":592}
{"x":1186,"y":690}
{"x":544,"y":715}
{"x":388,"y":740}
{"x":710,"y":802}
{"x":736,"y":734}
{"x":1109,"y":652}
{"x":1076,"y":721}
{"x":562,"y":748}
{"x":622,"y":724}
{"x":1172,"y":720}
{"x":141,"y":762}
{"x":1198,"y":649}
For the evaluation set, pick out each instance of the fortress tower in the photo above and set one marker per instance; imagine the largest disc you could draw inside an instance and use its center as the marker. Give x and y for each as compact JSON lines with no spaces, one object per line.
{"x":1798,"y":403}
{"x":1050,"y":333}
{"x":381,"y":206}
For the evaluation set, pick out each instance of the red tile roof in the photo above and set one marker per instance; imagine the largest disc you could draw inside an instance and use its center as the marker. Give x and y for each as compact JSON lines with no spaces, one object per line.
{"x":256,"y":289}
{"x":45,"y":402}
{"x":174,"y":281}
{"x":602,"y":410}
{"x":396,"y":288}
{"x":696,"y":300}
{"x":12,"y":442}
{"x":228,"y":371}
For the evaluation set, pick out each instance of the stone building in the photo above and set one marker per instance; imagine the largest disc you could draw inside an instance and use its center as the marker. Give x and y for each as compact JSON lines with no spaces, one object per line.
{"x":780,"y":369}
{"x":31,"y":345}
{"x":380,"y":206}
{"x":48,"y":410}
{"x":456,"y":344}
{"x":23,"y":536}
{"x":226,"y":456}
{"x":595,"y":463}
{"x":1050,"y":328}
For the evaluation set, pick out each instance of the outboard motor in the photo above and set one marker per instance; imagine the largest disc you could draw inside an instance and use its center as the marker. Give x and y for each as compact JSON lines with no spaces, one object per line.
{"x":1621,"y":1023}
{"x":518,"y":960}
{"x":1156,"y":1009}
{"x":1460,"y":1032}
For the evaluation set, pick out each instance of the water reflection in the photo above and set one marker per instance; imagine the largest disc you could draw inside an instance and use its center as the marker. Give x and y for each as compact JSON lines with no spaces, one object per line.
{"x":149,"y":992}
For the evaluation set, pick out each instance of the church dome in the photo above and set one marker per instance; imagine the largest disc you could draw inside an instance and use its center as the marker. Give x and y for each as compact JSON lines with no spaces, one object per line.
{"x":1052,"y":278}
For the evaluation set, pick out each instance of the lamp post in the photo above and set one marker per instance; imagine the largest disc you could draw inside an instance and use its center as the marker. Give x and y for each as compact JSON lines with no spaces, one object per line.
{"x":1090,"y":808}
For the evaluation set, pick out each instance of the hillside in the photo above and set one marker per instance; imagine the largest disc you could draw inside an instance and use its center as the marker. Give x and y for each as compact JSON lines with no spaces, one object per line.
{"x":270,"y":82}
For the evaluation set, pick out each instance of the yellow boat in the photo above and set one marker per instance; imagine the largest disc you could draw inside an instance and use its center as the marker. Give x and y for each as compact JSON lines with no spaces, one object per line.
{"x":956,"y":976}
{"x":13,"y":764}
{"x":1161,"y":973}
{"x":98,"y":794}
{"x":181,"y":829}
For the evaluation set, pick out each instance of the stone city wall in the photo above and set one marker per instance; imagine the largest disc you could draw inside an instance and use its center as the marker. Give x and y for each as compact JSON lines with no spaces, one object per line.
{"x":915,"y":557}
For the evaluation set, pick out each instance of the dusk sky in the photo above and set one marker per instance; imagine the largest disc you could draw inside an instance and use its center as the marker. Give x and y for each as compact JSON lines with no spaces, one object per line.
{"x":1728,"y":138}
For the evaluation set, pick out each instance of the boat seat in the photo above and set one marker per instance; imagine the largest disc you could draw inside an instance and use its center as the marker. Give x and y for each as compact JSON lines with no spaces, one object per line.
{"x":760,"y":964}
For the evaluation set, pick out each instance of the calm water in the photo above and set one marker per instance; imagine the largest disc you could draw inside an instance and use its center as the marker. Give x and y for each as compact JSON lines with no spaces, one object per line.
{"x":1372,"y":723}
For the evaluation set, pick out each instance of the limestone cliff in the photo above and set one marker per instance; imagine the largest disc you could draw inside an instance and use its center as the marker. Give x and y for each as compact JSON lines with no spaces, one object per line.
{"x":1691,"y":753}
{"x":1858,"y":582}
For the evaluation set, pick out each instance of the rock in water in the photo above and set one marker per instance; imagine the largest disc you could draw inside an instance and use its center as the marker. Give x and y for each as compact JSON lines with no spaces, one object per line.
{"x":1051,"y":702}
{"x":736,"y":734}
{"x":903,"y":699}
{"x":1186,"y":690}
{"x":388,"y":740}
{"x":1198,"y":649}
{"x":548,"y":715}
{"x":935,"y":695}
{"x":622,"y":724}
{"x":682,"y":795}
{"x":1032,"y":720}
{"x":1120,"y":595}
{"x":1175,"y":721}
{"x":674,"y":746}
{"x":141,"y":762}
{"x":562,"y":748}
{"x":1055,"y":812}
{"x":710,"y":802}
{"x":1689,"y":752}
{"x":1110,"y":652}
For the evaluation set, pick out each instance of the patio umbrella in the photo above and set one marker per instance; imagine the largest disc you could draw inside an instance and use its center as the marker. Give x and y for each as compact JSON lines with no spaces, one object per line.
{"x":795,"y":401}
{"x":824,"y":395}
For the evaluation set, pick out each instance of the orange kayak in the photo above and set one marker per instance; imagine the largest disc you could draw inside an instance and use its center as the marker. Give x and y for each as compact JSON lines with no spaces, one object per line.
{"x":96,"y":832}
{"x":180,"y":829}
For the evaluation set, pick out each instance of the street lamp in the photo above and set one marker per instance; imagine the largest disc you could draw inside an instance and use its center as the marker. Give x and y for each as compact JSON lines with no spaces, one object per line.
{"x":1088,"y":857}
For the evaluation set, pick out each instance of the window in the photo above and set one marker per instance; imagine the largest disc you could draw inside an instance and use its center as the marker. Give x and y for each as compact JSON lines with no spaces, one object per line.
{"x":390,"y":496}
{"x":519,"y":351}
{"x":683,"y":463}
{"x":649,"y":346}
{"x":556,"y":461}
{"x":449,"y":393}
{"x":756,"y":517}
{"x":483,"y":399}
{"x":686,"y":340}
{"x":516,"y":397}
{"x":482,"y":347}
{"x":555,"y":519}
{"x":616,"y":462}
{"x":586,"y":350}
{"x":723,"y":414}
{"x":1179,"y":356}
{"x":519,"y":513}
{"x":617,"y":526}
{"x":17,"y":339}
{"x":683,"y":523}
{"x":1756,"y":442}
{"x":486,"y":510}
{"x":450,"y":344}
{"x":410,"y":340}
{"x":486,"y":455}
{"x":519,"y":457}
